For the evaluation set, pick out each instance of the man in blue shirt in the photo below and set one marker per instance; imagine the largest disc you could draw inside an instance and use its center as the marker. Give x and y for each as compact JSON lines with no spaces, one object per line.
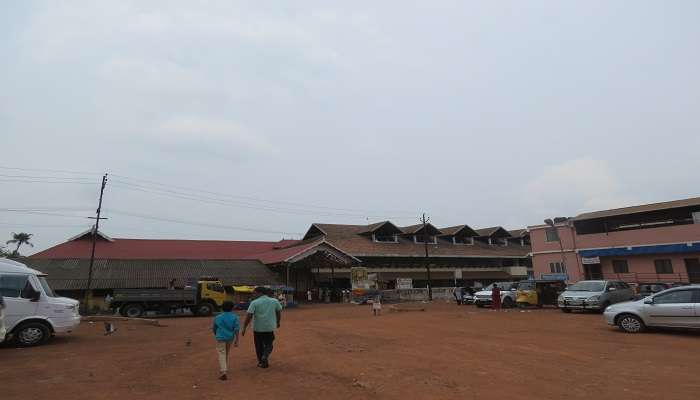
{"x":225,"y":328}
{"x":266,"y":313}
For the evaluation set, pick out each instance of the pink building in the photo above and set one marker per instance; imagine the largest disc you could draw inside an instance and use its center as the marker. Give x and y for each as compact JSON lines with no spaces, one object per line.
{"x":649,"y":243}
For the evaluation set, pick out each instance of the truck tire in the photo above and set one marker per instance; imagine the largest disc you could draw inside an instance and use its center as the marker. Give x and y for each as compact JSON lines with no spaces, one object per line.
{"x":31,"y":334}
{"x":203,"y":309}
{"x":132,"y":310}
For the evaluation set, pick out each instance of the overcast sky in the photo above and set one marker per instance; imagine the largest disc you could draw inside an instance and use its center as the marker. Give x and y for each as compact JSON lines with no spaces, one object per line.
{"x":478,"y":112}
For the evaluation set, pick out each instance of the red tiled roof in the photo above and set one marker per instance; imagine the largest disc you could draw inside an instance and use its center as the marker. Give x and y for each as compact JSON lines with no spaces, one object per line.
{"x":143,"y":249}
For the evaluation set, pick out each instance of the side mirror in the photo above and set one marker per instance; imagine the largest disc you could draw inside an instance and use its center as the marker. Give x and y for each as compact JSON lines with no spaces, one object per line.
{"x":649,"y":300}
{"x":612,"y":289}
{"x":34,"y":295}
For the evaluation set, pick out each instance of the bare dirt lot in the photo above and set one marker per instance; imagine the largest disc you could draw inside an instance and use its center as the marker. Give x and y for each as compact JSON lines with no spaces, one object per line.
{"x":342,"y":352}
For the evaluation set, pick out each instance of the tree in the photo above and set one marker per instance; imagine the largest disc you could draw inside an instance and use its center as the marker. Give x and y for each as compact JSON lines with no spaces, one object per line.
{"x":19,"y":239}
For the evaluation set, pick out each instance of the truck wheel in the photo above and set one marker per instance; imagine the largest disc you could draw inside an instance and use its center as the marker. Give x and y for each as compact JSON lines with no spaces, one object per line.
{"x":203,"y":309}
{"x":508,"y":302}
{"x":630,"y":323}
{"x":32,"y":334}
{"x":132,"y":310}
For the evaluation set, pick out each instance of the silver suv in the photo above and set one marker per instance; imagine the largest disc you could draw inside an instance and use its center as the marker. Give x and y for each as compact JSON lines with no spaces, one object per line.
{"x":594,"y":295}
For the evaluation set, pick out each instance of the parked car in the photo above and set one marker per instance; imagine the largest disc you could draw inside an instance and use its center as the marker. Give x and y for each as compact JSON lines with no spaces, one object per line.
{"x":648,"y":289}
{"x":33,"y":313}
{"x":677,"y":307}
{"x":483,"y":298}
{"x":468,"y":296}
{"x":538,"y":292}
{"x":594,"y":295}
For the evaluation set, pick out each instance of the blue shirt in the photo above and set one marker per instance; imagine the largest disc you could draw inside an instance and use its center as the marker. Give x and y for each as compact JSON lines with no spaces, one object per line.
{"x":226,"y":325}
{"x":264,"y":310}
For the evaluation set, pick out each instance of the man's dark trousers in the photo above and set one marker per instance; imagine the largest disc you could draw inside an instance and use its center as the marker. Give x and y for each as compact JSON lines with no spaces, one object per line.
{"x":263,"y":345}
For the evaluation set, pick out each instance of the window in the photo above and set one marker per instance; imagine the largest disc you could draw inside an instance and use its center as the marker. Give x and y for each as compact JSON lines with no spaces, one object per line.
{"x":663,"y":266}
{"x":385,"y":238}
{"x":463,"y":240}
{"x":679,"y":296}
{"x":505,"y":242}
{"x":551,"y":235}
{"x":422,"y":239}
{"x":557,"y":268}
{"x":13,"y":285}
{"x":620,"y":267}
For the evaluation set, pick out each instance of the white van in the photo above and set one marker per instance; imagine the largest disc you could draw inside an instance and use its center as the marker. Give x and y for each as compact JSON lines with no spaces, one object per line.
{"x":32,"y":311}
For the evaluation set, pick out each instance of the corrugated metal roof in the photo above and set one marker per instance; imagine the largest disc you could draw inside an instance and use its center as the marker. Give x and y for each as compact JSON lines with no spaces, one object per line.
{"x":107,"y":274}
{"x":666,"y":205}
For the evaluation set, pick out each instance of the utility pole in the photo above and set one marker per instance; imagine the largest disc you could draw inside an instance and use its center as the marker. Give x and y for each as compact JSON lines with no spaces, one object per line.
{"x":95,"y":230}
{"x":427,"y":259}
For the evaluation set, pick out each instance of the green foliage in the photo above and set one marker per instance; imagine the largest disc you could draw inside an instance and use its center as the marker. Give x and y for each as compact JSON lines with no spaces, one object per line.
{"x":19,"y":239}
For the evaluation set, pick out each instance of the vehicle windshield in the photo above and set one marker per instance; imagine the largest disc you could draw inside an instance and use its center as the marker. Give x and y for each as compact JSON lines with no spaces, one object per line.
{"x":587,"y":286}
{"x":47,"y":289}
{"x":501,"y":285}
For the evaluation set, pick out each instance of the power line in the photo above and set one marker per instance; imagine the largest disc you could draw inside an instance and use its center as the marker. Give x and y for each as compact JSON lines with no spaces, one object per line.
{"x":45,"y":181}
{"x":60,"y":171}
{"x":257,"y":199}
{"x":226,"y":202}
{"x":206,"y":225}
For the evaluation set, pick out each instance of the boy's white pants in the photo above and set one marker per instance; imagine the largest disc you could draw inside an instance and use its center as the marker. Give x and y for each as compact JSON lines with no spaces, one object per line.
{"x":223,"y":348}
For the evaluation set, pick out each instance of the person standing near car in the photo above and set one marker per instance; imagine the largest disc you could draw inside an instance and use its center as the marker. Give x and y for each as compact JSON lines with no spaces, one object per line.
{"x":496,"y":298}
{"x":265,"y":313}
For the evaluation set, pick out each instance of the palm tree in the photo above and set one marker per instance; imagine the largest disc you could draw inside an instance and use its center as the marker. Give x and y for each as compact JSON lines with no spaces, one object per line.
{"x":20,"y":239}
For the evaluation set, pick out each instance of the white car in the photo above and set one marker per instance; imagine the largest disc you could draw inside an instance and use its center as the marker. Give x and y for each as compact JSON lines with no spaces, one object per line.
{"x":32,"y":311}
{"x":483,"y":298}
{"x":673,"y":308}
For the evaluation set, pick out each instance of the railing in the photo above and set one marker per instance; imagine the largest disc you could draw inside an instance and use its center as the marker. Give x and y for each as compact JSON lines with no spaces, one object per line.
{"x":643,"y":277}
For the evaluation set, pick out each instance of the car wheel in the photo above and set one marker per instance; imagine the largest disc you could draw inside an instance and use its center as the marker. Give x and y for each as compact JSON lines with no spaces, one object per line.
{"x":133,"y":310}
{"x":566,"y":310}
{"x":32,"y":334}
{"x":508,"y":302}
{"x":631,"y":323}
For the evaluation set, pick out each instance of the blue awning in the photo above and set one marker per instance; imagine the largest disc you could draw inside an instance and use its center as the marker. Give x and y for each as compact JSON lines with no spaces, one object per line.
{"x":642,"y":250}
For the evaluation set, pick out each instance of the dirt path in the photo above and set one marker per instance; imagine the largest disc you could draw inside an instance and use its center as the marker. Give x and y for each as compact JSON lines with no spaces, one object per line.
{"x":341,"y":352}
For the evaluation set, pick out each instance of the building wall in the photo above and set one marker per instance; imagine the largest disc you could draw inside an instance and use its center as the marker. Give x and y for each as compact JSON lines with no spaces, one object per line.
{"x":643,"y":269}
{"x":640,"y":267}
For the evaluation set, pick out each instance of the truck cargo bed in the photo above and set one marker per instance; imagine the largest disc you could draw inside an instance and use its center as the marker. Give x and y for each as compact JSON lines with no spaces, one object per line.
{"x":155,"y":295}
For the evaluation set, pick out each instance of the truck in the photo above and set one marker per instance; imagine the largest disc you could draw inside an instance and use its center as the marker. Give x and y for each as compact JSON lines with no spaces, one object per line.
{"x":202,"y":300}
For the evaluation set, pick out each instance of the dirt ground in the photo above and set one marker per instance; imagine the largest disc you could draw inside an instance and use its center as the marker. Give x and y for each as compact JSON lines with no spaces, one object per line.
{"x":342,"y":352}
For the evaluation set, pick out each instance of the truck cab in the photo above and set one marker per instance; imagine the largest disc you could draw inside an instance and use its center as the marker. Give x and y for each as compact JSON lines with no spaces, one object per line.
{"x":33,"y":312}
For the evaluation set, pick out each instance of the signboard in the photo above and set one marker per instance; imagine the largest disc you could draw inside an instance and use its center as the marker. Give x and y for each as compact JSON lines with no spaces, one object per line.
{"x":458,"y":273}
{"x":359,"y":278}
{"x":555,"y":277}
{"x":404,"y":283}
{"x":590,"y":260}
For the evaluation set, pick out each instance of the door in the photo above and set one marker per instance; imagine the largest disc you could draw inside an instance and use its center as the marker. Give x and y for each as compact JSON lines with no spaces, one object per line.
{"x":676,"y":308}
{"x":14,"y":291}
{"x":692,"y":265}
{"x":593,"y":271}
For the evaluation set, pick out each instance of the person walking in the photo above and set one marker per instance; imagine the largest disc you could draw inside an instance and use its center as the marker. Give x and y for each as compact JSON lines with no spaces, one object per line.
{"x":265,"y":313}
{"x":458,"y":293}
{"x":309,"y":297}
{"x":226,"y":326}
{"x":496,"y":298}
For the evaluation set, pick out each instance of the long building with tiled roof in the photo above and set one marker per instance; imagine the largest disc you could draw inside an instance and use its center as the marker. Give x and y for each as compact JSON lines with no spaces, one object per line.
{"x":324,"y":257}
